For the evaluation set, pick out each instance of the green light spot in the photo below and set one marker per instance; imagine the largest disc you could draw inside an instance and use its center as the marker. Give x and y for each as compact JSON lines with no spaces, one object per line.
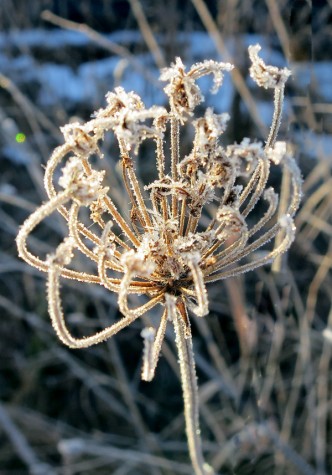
{"x":20,"y":138}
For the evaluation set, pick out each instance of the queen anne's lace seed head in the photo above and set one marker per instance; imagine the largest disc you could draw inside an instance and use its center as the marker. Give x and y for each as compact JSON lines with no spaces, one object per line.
{"x":195,"y":223}
{"x":165,"y":247}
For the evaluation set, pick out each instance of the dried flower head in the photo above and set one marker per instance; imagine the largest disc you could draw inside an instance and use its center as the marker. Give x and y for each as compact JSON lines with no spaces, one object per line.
{"x":268,"y":77}
{"x":166,"y":250}
{"x":182,"y":90}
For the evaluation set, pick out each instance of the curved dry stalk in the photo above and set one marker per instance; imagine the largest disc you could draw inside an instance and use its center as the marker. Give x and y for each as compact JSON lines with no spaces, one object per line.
{"x":123,"y":297}
{"x":264,"y":169}
{"x":232,"y":251}
{"x":250,"y":248}
{"x":102,"y":265}
{"x":287,"y":225}
{"x":32,"y":222}
{"x":152,"y":347}
{"x":58,"y":322}
{"x":272,"y":198}
{"x":202,"y":308}
{"x":55,"y":160}
{"x":73,"y":225}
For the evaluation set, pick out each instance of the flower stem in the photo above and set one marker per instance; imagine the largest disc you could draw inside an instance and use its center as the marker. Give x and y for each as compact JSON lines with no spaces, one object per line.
{"x":278,"y":102}
{"x":190,"y":393}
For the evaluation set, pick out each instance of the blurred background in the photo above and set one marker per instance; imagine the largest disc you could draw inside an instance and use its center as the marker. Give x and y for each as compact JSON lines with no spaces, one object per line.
{"x":264,"y":352}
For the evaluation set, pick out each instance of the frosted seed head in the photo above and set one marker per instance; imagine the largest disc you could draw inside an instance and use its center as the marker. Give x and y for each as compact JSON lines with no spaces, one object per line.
{"x":184,"y":94}
{"x":221,"y":169}
{"x":200,"y":194}
{"x":97,"y":208}
{"x":85,"y":189}
{"x":82,"y":140}
{"x":215,"y":124}
{"x":176,"y":70}
{"x":208,"y":130}
{"x":137,"y":263}
{"x":161,"y":119}
{"x":72,"y":175}
{"x":131,"y":129}
{"x":119,"y":100}
{"x":160,"y":244}
{"x":266,"y":76}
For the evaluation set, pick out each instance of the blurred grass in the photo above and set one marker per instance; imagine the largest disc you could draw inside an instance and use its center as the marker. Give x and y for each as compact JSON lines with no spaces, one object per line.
{"x":265,"y":391}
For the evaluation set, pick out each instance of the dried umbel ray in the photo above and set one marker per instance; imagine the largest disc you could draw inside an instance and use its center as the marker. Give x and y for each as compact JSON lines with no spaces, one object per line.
{"x":170,"y":247}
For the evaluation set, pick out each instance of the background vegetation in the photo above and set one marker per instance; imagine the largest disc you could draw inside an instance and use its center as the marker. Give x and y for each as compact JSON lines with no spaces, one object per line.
{"x":264,"y":352}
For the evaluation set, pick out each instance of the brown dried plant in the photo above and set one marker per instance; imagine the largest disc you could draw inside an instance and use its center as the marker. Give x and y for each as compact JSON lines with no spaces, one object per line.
{"x":169,"y":247}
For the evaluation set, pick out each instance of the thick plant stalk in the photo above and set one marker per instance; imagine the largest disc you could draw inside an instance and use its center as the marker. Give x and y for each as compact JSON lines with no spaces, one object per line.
{"x":189,"y":388}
